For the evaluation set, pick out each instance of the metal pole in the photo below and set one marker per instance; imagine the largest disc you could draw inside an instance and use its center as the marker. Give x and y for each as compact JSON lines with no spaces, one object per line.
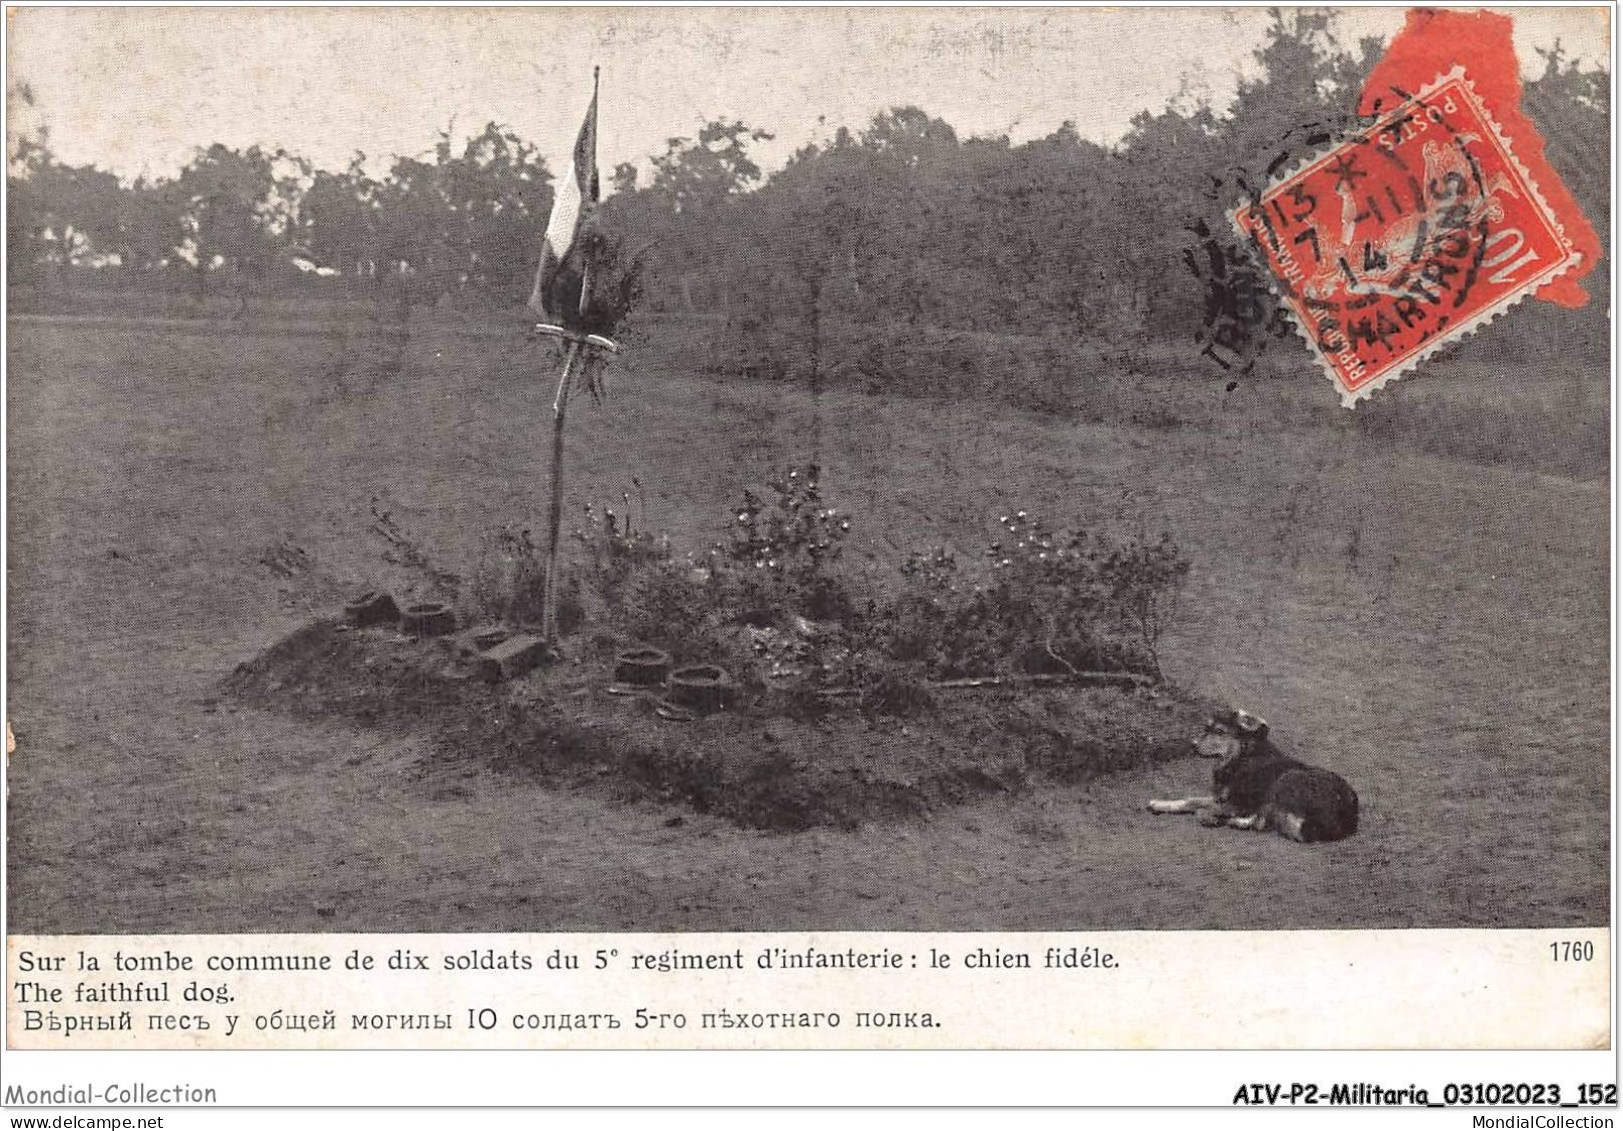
{"x":560,"y":404}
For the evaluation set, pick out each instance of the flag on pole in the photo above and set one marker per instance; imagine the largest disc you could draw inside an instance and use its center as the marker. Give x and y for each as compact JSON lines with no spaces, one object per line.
{"x":558,"y":296}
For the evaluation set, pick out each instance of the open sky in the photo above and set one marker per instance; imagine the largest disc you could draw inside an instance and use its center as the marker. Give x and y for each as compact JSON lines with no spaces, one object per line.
{"x":135,"y":89}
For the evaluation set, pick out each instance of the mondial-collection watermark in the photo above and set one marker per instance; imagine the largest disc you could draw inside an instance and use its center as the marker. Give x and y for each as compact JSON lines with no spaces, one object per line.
{"x":138,"y":1094}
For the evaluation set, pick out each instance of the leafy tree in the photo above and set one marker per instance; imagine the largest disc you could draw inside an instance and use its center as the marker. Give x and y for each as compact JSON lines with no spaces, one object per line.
{"x":151,"y":227}
{"x":908,"y":135}
{"x":624,"y":178}
{"x":64,"y":214}
{"x":695,"y":173}
{"x":338,"y":221}
{"x":471,"y":217}
{"x":413,"y":223}
{"x":229,"y":206}
{"x":30,"y":216}
{"x":500,"y":191}
{"x":675,"y":220}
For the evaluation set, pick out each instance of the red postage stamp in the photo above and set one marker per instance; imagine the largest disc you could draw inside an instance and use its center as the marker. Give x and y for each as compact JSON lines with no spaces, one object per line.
{"x":1406,"y":236}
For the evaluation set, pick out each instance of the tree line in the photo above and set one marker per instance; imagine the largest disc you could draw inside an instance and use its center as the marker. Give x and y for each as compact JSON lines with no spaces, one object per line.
{"x":466,"y":216}
{"x":901,"y":231}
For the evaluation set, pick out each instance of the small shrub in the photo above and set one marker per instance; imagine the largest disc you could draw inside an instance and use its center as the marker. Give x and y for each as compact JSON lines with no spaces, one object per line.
{"x":754,"y":596}
{"x":937,"y":623}
{"x":779,"y":554}
{"x":1076,"y":601}
{"x":614,"y":549}
{"x":1048,"y":602}
{"x":1145,"y":580}
{"x":950,"y":635}
{"x":670,"y":607}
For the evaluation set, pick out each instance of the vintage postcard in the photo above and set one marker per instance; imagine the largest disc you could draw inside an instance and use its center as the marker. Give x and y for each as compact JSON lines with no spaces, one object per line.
{"x":829,"y":528}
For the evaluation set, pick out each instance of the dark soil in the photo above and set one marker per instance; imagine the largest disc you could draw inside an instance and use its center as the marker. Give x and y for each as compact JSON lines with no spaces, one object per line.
{"x":754,"y":764}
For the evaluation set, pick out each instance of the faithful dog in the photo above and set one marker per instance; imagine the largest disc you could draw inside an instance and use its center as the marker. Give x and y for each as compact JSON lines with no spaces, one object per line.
{"x":1256,"y":786}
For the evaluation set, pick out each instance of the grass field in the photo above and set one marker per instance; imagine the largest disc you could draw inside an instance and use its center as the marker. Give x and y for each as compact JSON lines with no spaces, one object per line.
{"x":183,"y":496}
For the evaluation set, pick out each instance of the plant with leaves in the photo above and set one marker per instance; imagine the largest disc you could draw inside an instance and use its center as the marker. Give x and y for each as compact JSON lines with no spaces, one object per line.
{"x":615,"y":549}
{"x":697,"y":173}
{"x":940,"y":622}
{"x":1145,"y":580}
{"x":781,"y":551}
{"x":338,"y":219}
{"x":1046,"y":601}
{"x":234,"y":209}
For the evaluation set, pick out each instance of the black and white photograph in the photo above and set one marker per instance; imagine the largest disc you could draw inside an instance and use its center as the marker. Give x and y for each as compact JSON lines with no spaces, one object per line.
{"x":717,"y":470}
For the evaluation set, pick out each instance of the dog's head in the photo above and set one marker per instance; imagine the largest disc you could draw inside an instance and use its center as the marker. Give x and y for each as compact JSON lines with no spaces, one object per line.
{"x":1230,"y":734}
{"x":1250,"y":739}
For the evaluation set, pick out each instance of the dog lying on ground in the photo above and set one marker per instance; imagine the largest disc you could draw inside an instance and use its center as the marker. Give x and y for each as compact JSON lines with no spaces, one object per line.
{"x":1256,"y":786}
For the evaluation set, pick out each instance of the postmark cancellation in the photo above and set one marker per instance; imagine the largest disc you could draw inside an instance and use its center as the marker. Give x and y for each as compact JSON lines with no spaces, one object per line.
{"x":1405,"y":236}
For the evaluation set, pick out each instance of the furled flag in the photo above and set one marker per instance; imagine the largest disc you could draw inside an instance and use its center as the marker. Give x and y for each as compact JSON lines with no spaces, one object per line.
{"x":560,"y":277}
